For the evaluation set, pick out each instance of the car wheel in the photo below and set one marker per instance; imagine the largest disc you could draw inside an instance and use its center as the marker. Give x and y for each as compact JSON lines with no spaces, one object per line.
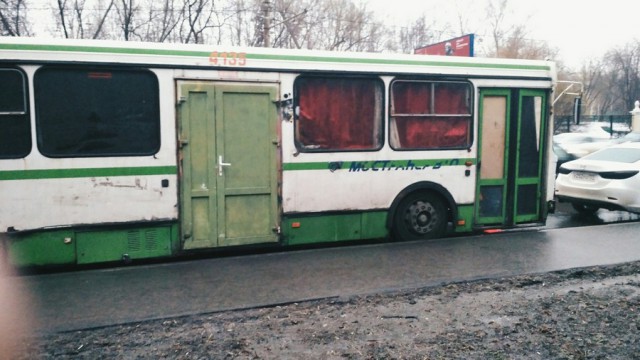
{"x":585,"y":209}
{"x":420,"y":215}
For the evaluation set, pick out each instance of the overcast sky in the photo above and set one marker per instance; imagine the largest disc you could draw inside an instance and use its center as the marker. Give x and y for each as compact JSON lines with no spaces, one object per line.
{"x":580,"y":29}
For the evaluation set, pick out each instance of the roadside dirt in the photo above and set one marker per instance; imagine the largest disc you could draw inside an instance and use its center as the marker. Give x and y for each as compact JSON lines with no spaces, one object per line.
{"x":590,"y":313}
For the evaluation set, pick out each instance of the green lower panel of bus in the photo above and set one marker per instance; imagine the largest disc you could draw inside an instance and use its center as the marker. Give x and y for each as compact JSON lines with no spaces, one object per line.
{"x":331,"y":228}
{"x":69,"y":246}
{"x":465,"y":213}
{"x":87,"y":246}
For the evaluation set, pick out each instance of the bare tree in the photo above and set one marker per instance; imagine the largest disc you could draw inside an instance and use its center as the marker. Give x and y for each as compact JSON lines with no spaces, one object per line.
{"x":62,"y":9}
{"x":462,"y":17}
{"x":127,"y":14}
{"x":79,"y":21}
{"x":101,"y":18}
{"x":245,"y":18}
{"x":596,"y":97}
{"x":292,"y":23}
{"x":288,"y":24}
{"x":415,"y":35}
{"x":611,"y":85}
{"x":623,"y":76}
{"x":510,"y":37}
{"x":305,"y":24}
{"x":164,"y":20}
{"x":13,"y":18}
{"x":345,"y":26}
{"x":198,"y":17}
{"x":301,"y":23}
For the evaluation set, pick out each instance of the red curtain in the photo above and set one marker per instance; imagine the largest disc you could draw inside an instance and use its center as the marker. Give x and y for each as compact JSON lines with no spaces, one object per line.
{"x":411,"y":97}
{"x":423,"y":132}
{"x":338,"y":114}
{"x":451,"y":98}
{"x":419,"y":128}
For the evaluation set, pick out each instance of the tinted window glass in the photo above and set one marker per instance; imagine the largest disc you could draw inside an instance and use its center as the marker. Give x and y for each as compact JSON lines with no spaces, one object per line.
{"x":338,"y":114}
{"x":531,"y":122}
{"x":430,"y":115}
{"x":12,"y":91}
{"x":97,"y":112}
{"x":15,"y":129}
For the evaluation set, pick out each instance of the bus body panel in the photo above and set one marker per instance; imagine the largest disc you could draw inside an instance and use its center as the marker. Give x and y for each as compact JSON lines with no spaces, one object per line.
{"x":50,"y":202}
{"x":41,"y":192}
{"x":371,"y":184}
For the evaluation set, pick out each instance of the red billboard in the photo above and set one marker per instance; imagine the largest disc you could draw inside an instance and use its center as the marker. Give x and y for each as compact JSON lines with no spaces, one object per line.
{"x":460,"y":46}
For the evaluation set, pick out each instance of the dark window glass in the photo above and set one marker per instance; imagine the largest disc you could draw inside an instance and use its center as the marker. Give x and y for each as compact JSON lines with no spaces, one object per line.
{"x":15,"y":129}
{"x":12,"y":91}
{"x":338,"y":114}
{"x":529,"y":162}
{"x":430,"y":115}
{"x":491,"y":201}
{"x":528,"y":199}
{"x":97,"y":112}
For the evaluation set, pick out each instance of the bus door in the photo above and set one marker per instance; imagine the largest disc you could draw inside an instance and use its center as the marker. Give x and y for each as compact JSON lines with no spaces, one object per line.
{"x":511,"y":151}
{"x":228,"y":179}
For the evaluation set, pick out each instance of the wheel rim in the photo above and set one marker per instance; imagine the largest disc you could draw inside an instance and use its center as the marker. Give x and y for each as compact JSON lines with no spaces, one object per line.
{"x":421,"y":217}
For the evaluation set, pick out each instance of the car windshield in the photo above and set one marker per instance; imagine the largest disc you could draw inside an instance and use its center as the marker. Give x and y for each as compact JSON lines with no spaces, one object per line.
{"x":625,"y":155}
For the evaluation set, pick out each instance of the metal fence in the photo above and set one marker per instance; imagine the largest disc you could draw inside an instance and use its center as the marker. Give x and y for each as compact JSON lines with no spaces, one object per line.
{"x":616,"y":125}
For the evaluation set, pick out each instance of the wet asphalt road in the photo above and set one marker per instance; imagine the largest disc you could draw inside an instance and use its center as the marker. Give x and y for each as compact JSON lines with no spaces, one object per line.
{"x":95,"y":298}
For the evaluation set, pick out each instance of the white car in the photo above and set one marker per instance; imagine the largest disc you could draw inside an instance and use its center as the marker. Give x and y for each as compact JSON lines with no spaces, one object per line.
{"x":579,"y":150}
{"x":585,"y":134}
{"x":608,"y":179}
{"x":594,"y":131}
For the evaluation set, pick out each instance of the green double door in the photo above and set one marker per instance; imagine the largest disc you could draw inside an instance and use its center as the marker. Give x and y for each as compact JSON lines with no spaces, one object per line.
{"x":228,"y":180}
{"x":511,"y":156}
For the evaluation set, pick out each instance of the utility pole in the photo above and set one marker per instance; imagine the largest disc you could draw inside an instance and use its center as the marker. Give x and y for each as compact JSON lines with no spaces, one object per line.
{"x":266,"y":18}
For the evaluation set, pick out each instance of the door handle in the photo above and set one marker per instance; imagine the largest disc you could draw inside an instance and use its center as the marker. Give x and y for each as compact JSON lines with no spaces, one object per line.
{"x":221,"y":164}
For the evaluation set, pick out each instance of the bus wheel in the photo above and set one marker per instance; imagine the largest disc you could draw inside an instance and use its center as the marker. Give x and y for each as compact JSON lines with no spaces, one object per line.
{"x":421,"y":215}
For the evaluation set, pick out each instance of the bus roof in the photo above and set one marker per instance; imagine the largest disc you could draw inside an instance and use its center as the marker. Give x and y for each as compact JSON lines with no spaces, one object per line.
{"x":42,"y":50}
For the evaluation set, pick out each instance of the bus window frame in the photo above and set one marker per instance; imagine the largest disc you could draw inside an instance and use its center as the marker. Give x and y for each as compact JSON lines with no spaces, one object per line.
{"x":97,"y":70}
{"x":23,"y":116}
{"x":393,"y":143}
{"x":378,"y":123}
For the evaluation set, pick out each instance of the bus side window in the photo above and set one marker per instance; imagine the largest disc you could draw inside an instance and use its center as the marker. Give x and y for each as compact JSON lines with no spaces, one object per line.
{"x":15,"y":128}
{"x":338,"y":113}
{"x":429,"y":115}
{"x":91,"y":112}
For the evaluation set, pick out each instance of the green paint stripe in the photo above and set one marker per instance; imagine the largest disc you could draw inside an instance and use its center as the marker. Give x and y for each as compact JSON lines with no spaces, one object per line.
{"x":86,"y":172}
{"x":301,"y":58}
{"x":394,"y":62}
{"x":103,"y":50}
{"x":305,"y":166}
{"x":379,"y":164}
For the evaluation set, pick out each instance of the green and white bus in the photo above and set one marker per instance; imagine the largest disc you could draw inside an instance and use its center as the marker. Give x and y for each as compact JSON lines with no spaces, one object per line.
{"x":116,"y":151}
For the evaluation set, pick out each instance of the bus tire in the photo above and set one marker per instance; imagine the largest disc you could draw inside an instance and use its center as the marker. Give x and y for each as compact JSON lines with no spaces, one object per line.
{"x":420,"y":215}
